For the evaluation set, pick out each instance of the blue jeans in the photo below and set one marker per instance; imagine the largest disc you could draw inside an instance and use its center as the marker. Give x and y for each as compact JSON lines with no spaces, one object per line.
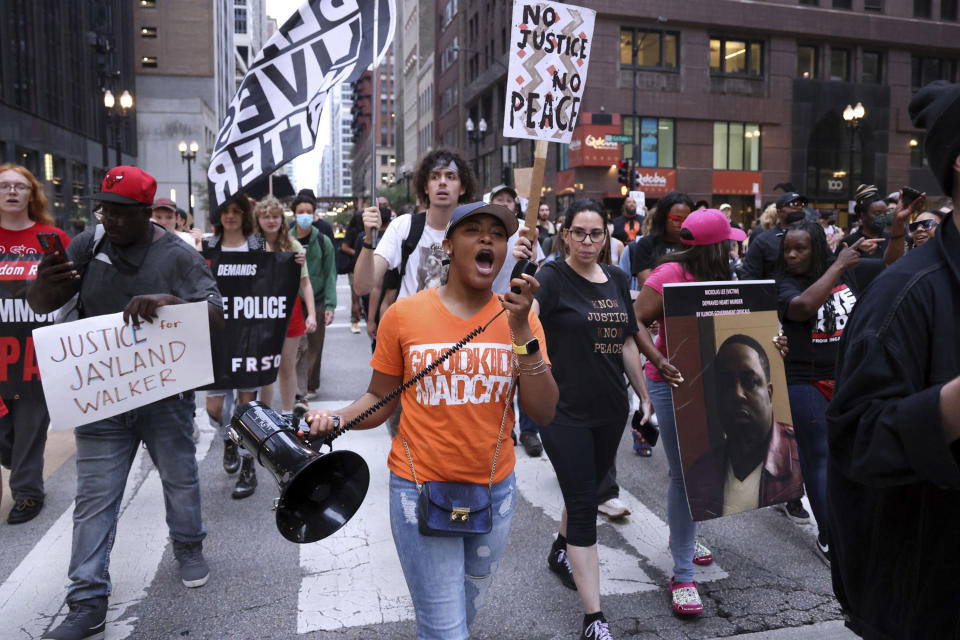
{"x":683,"y":530}
{"x":526,"y":423}
{"x":447,"y":577}
{"x":105,"y":451}
{"x":809,"y":409}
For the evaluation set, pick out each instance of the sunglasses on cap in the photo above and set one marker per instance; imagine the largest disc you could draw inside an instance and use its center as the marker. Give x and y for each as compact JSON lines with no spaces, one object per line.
{"x":926,"y":225}
{"x":797,"y":202}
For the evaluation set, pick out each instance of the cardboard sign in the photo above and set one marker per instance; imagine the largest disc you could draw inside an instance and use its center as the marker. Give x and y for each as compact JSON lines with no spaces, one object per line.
{"x":19,"y":375}
{"x":640,"y":198}
{"x":275,"y":114}
{"x":734,"y":397}
{"x":99,"y":367}
{"x":550,"y":50}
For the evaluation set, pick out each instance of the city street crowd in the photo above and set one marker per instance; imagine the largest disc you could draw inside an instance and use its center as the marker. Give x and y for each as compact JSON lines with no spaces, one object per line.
{"x":550,"y":339}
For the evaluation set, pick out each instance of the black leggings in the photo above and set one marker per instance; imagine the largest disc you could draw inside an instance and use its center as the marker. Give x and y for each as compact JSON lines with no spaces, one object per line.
{"x":581,"y":457}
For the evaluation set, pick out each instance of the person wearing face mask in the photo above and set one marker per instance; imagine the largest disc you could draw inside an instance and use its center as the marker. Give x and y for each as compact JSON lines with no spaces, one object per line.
{"x":322,"y":269}
{"x":764,"y":250}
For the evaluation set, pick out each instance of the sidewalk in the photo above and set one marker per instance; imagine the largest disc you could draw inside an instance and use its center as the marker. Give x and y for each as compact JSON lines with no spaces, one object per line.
{"x":60,"y":446}
{"x":833,"y":630}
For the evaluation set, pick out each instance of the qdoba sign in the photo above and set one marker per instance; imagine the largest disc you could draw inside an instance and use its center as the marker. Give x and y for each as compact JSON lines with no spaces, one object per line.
{"x":550,"y":53}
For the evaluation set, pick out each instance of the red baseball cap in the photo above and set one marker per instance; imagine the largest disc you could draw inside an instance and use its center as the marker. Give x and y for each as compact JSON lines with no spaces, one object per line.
{"x":709,"y":226}
{"x":127,"y":185}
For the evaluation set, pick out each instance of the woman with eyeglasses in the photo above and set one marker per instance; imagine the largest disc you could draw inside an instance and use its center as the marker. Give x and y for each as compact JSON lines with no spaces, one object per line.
{"x":924,"y":227}
{"x":816,"y":294}
{"x":23,"y":431}
{"x":587,"y":316}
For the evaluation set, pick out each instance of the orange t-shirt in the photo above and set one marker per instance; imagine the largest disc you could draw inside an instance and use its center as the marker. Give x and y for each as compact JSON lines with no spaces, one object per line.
{"x":452,"y":416}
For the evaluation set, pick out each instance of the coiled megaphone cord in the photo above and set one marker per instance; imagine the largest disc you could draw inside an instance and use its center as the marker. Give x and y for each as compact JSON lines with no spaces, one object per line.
{"x":339,"y":430}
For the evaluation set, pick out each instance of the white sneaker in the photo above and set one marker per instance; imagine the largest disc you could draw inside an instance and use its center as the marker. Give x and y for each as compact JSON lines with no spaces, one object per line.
{"x":355,"y":327}
{"x":614,"y":508}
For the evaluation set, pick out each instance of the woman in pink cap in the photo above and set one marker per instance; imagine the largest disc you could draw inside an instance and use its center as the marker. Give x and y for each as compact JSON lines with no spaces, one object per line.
{"x":706,"y":233}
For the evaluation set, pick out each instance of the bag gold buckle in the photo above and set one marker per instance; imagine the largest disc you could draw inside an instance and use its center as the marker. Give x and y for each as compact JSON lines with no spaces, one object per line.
{"x":460,"y":514}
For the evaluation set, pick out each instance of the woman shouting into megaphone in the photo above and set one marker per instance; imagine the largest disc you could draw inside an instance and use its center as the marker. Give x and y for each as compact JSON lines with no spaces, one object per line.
{"x":452,"y":487}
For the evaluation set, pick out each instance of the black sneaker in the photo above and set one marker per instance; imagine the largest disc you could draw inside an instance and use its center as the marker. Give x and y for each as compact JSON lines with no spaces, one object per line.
{"x":247,"y":482}
{"x":24,"y":510}
{"x":596,"y":630}
{"x":231,"y":459}
{"x":795,"y":511}
{"x":86,"y":621}
{"x":194,"y":571}
{"x":558,"y":563}
{"x":531,"y":443}
{"x":824,"y":548}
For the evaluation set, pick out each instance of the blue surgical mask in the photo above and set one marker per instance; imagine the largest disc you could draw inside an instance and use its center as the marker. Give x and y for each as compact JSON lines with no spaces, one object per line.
{"x":304,"y":220}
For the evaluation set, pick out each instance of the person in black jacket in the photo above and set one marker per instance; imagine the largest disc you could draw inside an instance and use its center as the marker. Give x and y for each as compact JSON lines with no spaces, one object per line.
{"x":894,"y":425}
{"x":763,"y":251}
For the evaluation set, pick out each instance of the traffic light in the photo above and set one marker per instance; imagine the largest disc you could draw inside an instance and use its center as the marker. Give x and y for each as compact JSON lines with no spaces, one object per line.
{"x":634,"y":179}
{"x":623,"y":172}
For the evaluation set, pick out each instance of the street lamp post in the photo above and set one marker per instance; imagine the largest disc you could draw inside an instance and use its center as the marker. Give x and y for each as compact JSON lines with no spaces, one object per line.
{"x":188,"y":153}
{"x":116,"y":113}
{"x":476,"y":134}
{"x":853,"y":116}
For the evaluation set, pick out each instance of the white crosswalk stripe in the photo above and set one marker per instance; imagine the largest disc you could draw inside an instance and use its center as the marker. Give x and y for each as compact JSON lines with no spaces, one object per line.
{"x":354,"y":577}
{"x":32,"y":595}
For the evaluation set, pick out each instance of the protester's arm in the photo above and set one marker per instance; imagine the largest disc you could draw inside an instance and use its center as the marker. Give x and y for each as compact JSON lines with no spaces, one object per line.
{"x":898,"y":232}
{"x":537,"y":391}
{"x":330,"y":280}
{"x":805,"y":306}
{"x":886,"y":426}
{"x":381,"y":384}
{"x":306,"y":292}
{"x":649,"y":307}
{"x":633,"y":366}
{"x":369,"y":269}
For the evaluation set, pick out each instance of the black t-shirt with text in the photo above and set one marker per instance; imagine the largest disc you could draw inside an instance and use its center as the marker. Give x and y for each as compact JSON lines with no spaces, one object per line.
{"x":585,"y":324}
{"x":645,"y":252}
{"x":814,"y":343}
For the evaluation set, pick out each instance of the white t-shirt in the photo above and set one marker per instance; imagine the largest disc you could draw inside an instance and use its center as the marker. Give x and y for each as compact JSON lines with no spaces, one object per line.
{"x":425,"y":267}
{"x":243,"y":247}
{"x":741,"y":496}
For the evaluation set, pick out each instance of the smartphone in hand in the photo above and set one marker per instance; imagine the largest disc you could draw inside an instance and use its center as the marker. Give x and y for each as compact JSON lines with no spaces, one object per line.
{"x":909,"y":195}
{"x":50,"y":243}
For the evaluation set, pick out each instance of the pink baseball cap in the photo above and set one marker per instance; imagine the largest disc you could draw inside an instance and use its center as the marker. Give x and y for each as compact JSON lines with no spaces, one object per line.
{"x":709,"y":226}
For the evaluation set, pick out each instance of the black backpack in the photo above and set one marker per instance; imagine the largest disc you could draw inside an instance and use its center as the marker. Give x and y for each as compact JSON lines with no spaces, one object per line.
{"x":394,"y":277}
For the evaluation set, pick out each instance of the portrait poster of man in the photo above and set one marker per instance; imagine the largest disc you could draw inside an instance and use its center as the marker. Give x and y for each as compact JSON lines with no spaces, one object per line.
{"x":737,"y":445}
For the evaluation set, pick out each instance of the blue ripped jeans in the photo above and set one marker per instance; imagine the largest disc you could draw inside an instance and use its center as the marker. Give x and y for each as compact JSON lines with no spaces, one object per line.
{"x":447,"y":577}
{"x":683,"y":530}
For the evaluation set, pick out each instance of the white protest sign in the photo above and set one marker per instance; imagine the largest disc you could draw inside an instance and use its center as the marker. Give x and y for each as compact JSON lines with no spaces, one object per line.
{"x":549,"y":54}
{"x":100,"y":367}
{"x":640,"y":198}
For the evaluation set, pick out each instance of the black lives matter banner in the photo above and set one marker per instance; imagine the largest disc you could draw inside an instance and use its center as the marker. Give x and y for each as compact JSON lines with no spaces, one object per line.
{"x":259,"y":290}
{"x":275,"y":115}
{"x":19,"y":374}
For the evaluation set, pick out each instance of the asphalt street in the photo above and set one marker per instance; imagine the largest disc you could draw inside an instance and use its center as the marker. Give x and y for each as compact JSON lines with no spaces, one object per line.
{"x":767,"y":579}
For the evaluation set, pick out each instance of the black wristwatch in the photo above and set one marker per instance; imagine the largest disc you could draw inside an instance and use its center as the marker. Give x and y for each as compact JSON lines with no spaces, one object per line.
{"x":366,"y":245}
{"x":531,"y":347}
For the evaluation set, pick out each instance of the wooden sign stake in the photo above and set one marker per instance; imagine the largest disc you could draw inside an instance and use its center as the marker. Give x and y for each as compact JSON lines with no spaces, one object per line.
{"x":536,"y":183}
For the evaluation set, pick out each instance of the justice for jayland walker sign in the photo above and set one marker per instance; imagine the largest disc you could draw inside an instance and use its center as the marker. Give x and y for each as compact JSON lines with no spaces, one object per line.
{"x":99,"y":367}
{"x":549,"y":55}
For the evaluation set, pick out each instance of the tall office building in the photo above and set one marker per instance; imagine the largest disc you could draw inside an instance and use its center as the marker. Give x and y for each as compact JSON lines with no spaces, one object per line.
{"x":57,"y":61}
{"x":341,"y":140}
{"x":414,"y":70}
{"x":185,"y":66}
{"x":249,"y":31}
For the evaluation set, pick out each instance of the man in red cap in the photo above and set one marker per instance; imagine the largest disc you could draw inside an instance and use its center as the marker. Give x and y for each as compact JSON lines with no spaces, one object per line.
{"x":128,"y":264}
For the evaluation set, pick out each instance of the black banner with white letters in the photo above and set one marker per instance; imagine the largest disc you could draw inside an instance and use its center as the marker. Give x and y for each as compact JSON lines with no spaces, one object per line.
{"x":259,"y":290}
{"x":275,"y":114}
{"x":19,"y":374}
